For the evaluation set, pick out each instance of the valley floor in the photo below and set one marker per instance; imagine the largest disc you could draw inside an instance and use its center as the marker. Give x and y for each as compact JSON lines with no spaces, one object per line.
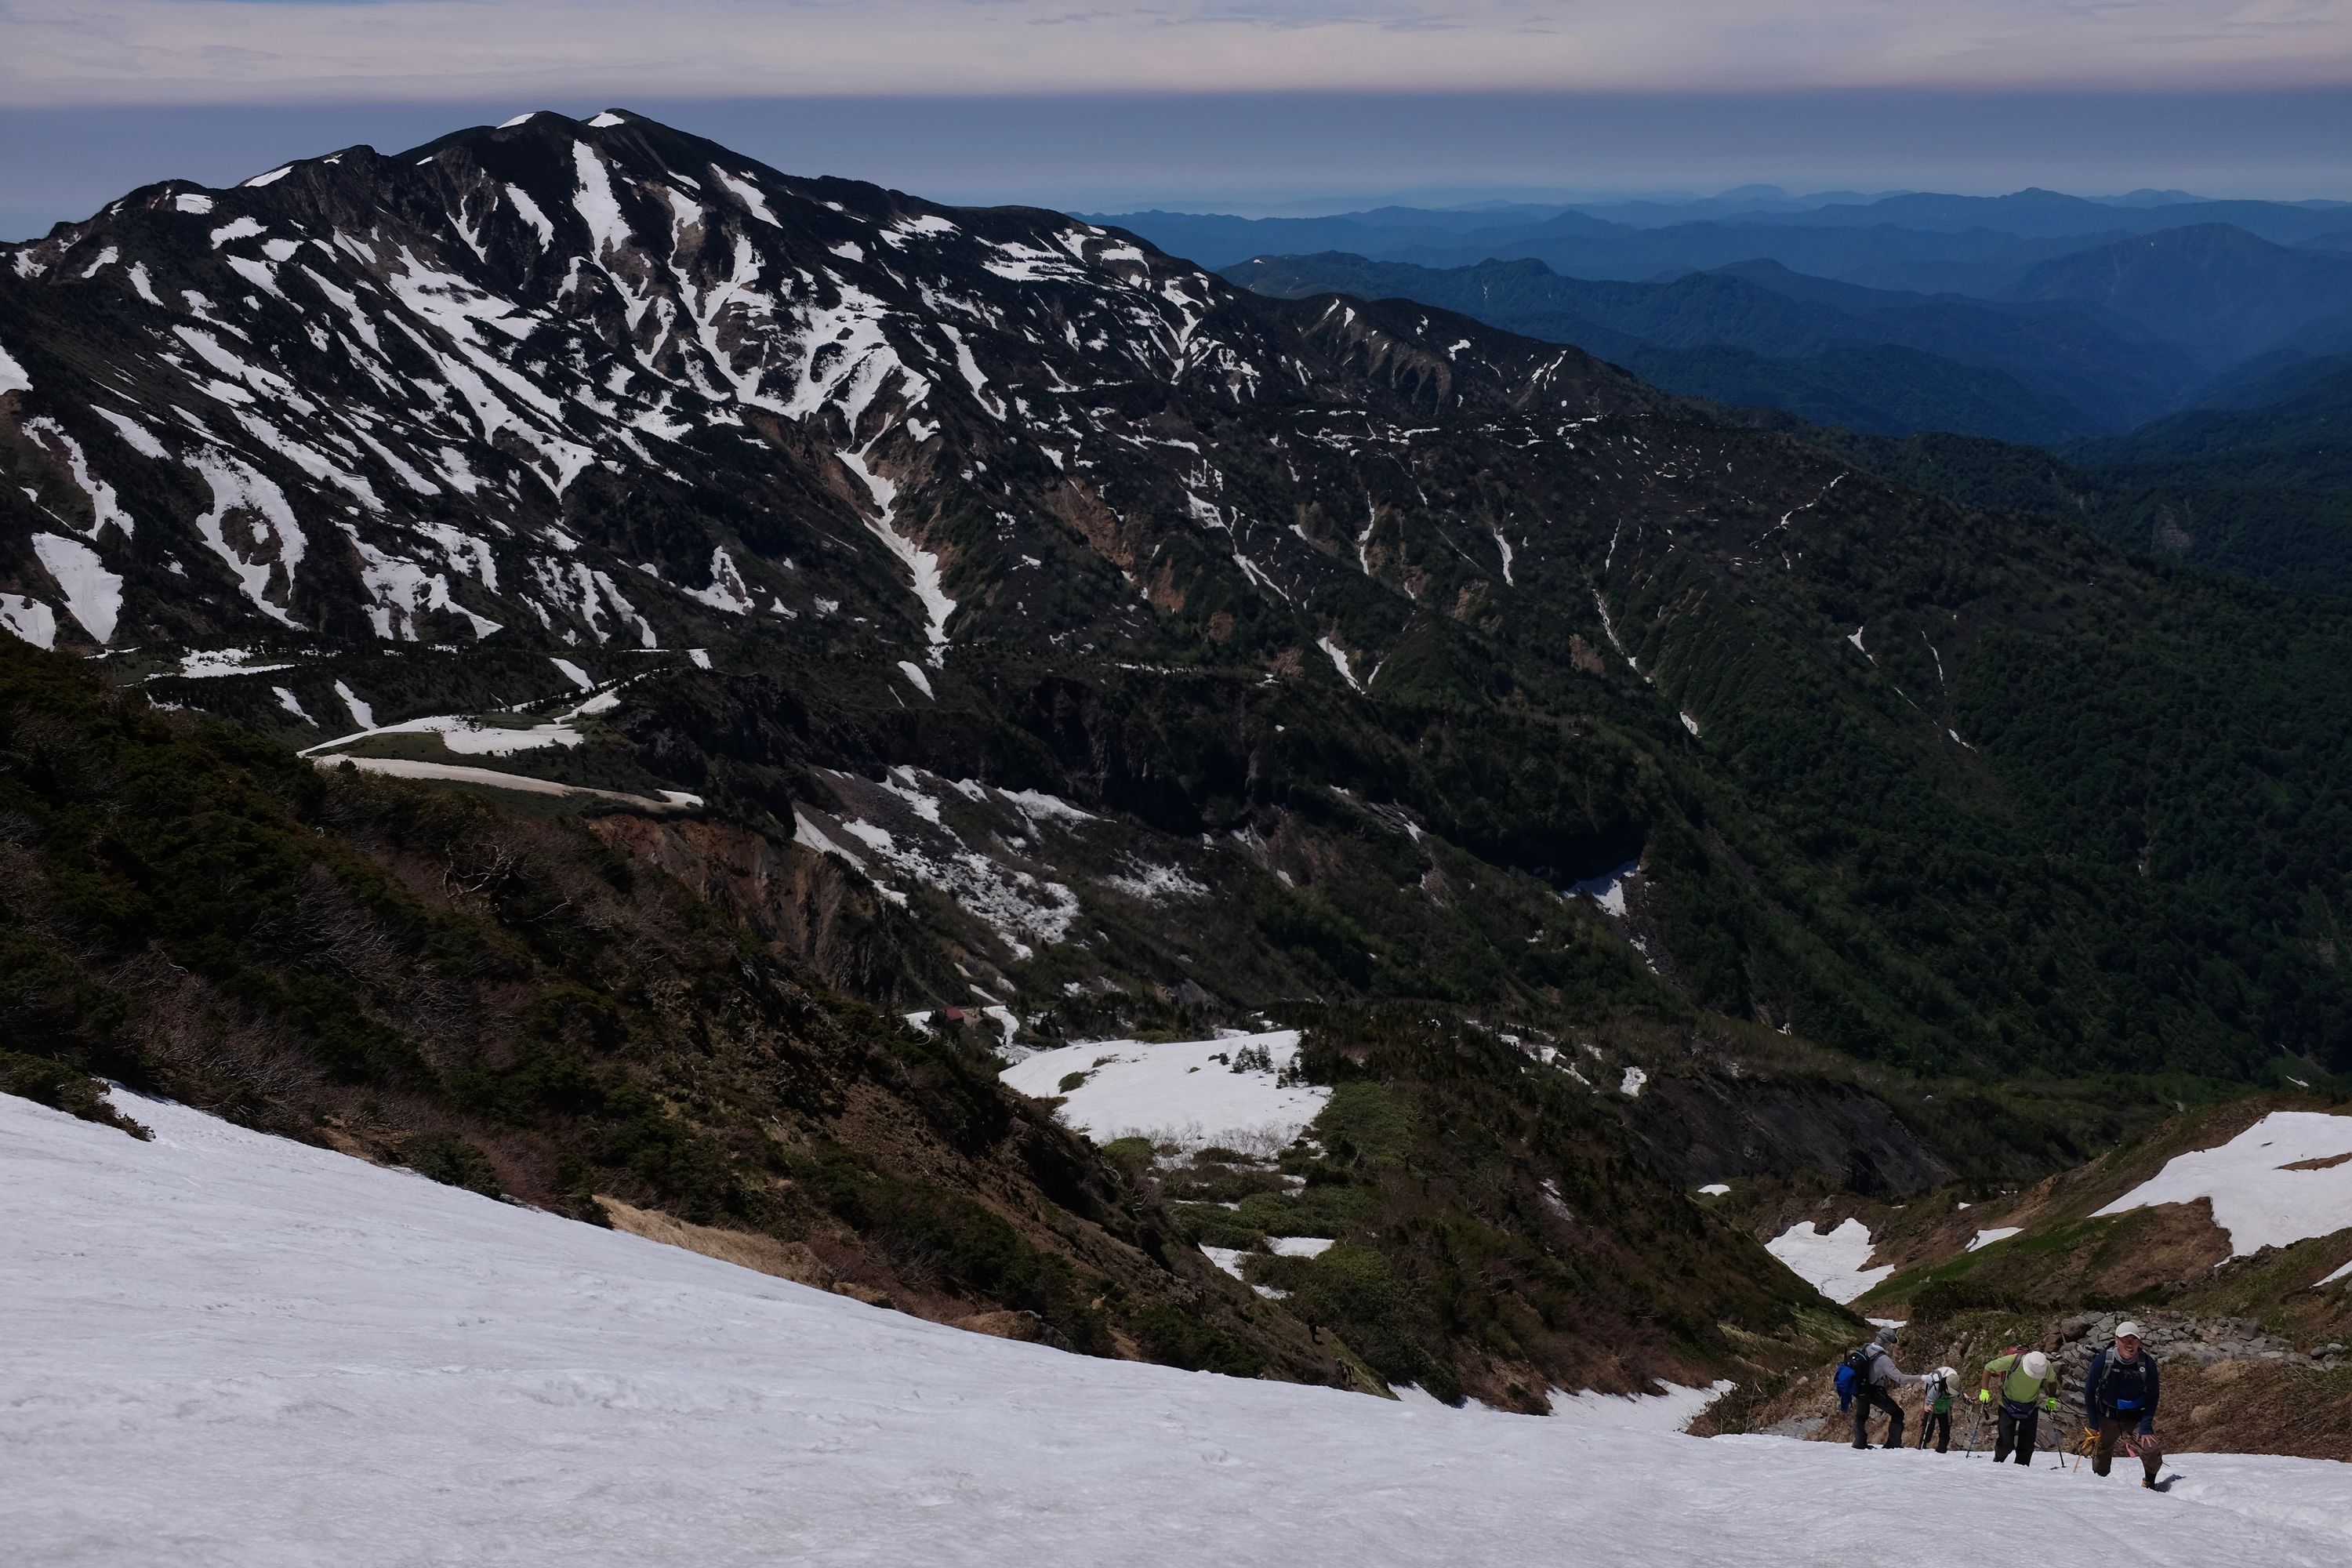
{"x":226,"y":1348}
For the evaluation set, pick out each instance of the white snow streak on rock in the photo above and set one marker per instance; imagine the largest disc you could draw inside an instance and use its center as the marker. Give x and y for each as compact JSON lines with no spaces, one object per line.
{"x":1829,"y":1262}
{"x":1183,"y":1091}
{"x":922,"y":563}
{"x":1631,"y":1086}
{"x":915,"y":676}
{"x":809,"y":836}
{"x":93,"y":594}
{"x":492,"y":778}
{"x":1338,"y":657}
{"x":2258,"y":1202}
{"x":302,"y":1358}
{"x":135,"y":436}
{"x":1997,"y":1232}
{"x":361,"y":714}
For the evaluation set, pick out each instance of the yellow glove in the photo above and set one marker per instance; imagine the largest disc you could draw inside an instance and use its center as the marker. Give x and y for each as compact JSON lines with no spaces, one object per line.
{"x":1984,"y":1396}
{"x":2051,"y":1406}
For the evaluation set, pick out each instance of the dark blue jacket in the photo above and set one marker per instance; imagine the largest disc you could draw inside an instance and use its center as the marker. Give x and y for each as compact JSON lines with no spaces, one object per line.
{"x":2105,"y":1397}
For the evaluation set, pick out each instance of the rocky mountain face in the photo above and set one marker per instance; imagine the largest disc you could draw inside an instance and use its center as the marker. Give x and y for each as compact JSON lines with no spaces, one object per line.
{"x":980,"y":610}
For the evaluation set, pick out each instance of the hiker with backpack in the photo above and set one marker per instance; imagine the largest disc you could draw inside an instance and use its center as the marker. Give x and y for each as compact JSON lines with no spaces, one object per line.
{"x":1866,"y":1375}
{"x":2119,"y":1396}
{"x":2027,"y":1390}
{"x":1936,"y":1409}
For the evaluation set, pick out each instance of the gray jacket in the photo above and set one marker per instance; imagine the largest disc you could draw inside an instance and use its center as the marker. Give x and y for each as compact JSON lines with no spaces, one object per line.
{"x":1884,"y":1373}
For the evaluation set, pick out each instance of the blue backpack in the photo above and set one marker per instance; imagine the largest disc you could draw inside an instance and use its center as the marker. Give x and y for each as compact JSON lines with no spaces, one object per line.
{"x":1852,"y":1373}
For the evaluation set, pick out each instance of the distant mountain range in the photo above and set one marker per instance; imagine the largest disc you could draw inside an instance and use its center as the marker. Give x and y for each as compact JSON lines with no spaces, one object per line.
{"x":2034,"y":317}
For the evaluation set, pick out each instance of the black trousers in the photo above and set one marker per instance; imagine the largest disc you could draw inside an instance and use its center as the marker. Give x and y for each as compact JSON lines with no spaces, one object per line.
{"x":1937,"y":1426}
{"x":1863,"y":1402}
{"x":2015,"y":1431}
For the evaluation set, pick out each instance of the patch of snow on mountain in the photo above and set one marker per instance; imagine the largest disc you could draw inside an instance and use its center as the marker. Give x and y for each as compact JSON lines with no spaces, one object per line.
{"x":1997,"y":1232}
{"x":1298,"y":1246}
{"x":532,"y":214}
{"x":135,"y":436}
{"x":93,"y":594}
{"x":12,"y":377}
{"x":573,"y":673}
{"x":301,"y":1357}
{"x":401,"y":594}
{"x":236,"y":229}
{"x":1338,"y":657}
{"x":915,"y":676}
{"x":922,"y":564}
{"x":292,"y":704}
{"x":1831,"y":1261}
{"x":728,"y":591}
{"x":1188,"y":1093}
{"x":106,"y":510}
{"x":2257,"y":1197}
{"x":1608,"y":890}
{"x":1631,"y":1085}
{"x":361,"y":714}
{"x":749,"y":194}
{"x":1035,"y":804}
{"x":1024,"y":911}
{"x":30,"y":619}
{"x":809,"y":836}
{"x":271,"y":178}
{"x":213,"y":664}
{"x":191,"y":201}
{"x":606,"y":121}
{"x":1151,"y":883}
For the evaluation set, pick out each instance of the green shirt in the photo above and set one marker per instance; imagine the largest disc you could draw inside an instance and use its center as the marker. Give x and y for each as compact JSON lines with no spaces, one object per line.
{"x":2015,"y":1387}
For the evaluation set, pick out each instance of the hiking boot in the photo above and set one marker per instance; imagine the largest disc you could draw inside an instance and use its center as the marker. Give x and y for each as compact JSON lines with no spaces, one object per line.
{"x":2148,"y":1482}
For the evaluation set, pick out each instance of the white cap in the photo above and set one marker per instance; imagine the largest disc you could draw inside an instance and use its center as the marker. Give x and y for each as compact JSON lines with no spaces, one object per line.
{"x":2036,"y":1364}
{"x":2126,"y":1330}
{"x":1948,"y":1372}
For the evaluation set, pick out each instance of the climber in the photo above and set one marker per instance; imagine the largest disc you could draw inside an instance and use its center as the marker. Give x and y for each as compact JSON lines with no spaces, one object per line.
{"x":2027,"y":1390}
{"x":1935,"y":1419}
{"x":2119,"y":1396}
{"x":1876,"y":1373}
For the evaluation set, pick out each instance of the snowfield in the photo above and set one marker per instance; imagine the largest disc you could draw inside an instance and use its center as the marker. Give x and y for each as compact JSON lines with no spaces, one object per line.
{"x":2258,"y":1198}
{"x":229,"y":1349}
{"x":1831,"y":1261}
{"x":1187,"y":1091}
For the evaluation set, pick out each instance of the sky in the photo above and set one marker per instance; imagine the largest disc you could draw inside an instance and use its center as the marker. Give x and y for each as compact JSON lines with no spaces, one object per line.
{"x":1252,"y":105}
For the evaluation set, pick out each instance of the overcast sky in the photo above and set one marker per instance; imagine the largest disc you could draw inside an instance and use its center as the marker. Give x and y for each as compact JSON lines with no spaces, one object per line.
{"x":1218,"y":102}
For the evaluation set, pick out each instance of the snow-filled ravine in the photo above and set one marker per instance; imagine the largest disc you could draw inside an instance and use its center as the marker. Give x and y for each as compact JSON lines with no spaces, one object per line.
{"x":1831,"y":1260}
{"x":223,"y":1348}
{"x":1191,"y":1092}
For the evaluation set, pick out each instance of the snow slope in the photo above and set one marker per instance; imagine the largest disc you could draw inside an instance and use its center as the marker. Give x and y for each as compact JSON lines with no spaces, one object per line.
{"x":2256,"y":1198}
{"x":229,"y":1349}
{"x":1183,"y":1090}
{"x":1829,"y":1262}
